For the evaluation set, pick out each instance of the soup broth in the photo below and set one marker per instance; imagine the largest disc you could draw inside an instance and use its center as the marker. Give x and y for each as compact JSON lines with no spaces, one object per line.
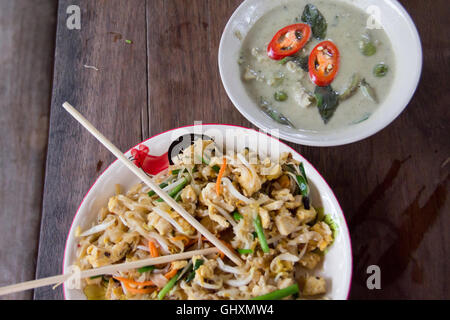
{"x":265,"y":79}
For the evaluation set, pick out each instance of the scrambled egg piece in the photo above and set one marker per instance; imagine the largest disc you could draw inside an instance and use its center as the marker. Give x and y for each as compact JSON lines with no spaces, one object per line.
{"x":177,"y":265}
{"x":206,"y":271}
{"x":327,"y":236}
{"x":188,"y":195}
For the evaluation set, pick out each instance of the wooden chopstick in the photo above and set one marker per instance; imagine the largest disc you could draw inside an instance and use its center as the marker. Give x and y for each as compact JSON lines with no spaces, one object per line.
{"x":149,"y":182}
{"x":104,"y":270}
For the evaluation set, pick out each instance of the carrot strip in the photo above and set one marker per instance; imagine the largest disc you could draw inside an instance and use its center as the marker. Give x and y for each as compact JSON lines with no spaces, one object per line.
{"x":153,"y":250}
{"x":137,"y":290}
{"x":171,"y":274}
{"x":221,"y":254}
{"x":130,"y":281}
{"x":181,"y":237}
{"x":219,"y":176}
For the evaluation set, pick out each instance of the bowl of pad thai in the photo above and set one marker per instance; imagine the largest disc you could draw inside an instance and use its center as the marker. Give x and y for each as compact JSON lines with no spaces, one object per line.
{"x":257,"y":195}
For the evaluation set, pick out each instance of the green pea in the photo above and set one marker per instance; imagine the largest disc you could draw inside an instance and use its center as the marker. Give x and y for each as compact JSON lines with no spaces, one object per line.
{"x":380,"y":70}
{"x":367,"y":48}
{"x":280,"y":96}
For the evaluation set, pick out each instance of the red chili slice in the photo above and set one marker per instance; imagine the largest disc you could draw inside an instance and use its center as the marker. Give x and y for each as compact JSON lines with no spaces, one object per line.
{"x":288,"y":41}
{"x":323,"y":63}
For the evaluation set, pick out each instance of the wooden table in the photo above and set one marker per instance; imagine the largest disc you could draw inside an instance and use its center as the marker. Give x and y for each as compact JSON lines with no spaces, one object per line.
{"x":393,"y":186}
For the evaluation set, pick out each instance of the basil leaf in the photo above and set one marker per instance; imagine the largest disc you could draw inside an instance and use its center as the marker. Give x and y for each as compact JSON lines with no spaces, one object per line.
{"x":274,"y":114}
{"x":327,"y":102}
{"x":368,"y":91}
{"x":302,"y":171}
{"x":302,"y":185}
{"x":237,"y":216}
{"x":302,"y":62}
{"x":312,"y":16}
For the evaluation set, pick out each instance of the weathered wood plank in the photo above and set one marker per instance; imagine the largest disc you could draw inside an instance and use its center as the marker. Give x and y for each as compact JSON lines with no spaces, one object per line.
{"x":183,"y":80}
{"x":27,"y":34}
{"x":112,"y":98}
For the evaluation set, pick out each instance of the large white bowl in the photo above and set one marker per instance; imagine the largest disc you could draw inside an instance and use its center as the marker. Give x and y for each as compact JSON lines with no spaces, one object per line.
{"x":408,"y":56}
{"x":337,"y":266}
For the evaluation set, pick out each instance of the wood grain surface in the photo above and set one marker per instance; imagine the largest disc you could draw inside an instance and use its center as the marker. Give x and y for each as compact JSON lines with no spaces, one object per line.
{"x":27,"y":35}
{"x":393,"y":186}
{"x":112,"y":98}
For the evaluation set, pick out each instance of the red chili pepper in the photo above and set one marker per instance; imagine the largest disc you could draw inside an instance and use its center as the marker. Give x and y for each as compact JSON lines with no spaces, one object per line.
{"x":150,"y":164}
{"x":288,"y":41}
{"x":323,"y":63}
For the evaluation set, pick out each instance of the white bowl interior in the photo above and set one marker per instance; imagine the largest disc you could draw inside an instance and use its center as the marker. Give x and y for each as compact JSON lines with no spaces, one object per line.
{"x":408,"y":56}
{"x":337,"y":266}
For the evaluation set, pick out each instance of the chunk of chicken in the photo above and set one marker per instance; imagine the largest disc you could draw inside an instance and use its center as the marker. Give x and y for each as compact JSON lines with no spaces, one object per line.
{"x":314,"y":286}
{"x":209,"y":194}
{"x":265,"y":218}
{"x":297,"y":202}
{"x":306,"y":216}
{"x":161,"y":225}
{"x":217,"y":217}
{"x":186,"y":226}
{"x":286,"y":223}
{"x":302,"y":98}
{"x":310,"y":260}
{"x":283,"y":194}
{"x":286,"y":282}
{"x":275,"y":205}
{"x":188,"y":195}
{"x":249,"y":181}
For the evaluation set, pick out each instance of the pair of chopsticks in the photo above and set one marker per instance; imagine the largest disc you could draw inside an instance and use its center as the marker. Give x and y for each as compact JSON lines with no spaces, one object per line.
{"x":136,"y":264}
{"x":107,"y":270}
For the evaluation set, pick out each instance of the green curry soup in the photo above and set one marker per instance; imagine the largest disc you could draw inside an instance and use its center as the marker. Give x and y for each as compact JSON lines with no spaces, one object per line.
{"x":283,"y":88}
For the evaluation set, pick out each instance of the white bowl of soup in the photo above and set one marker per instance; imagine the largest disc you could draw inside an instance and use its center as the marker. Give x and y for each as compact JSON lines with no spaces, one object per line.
{"x":334,"y":268}
{"x":281,"y":72}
